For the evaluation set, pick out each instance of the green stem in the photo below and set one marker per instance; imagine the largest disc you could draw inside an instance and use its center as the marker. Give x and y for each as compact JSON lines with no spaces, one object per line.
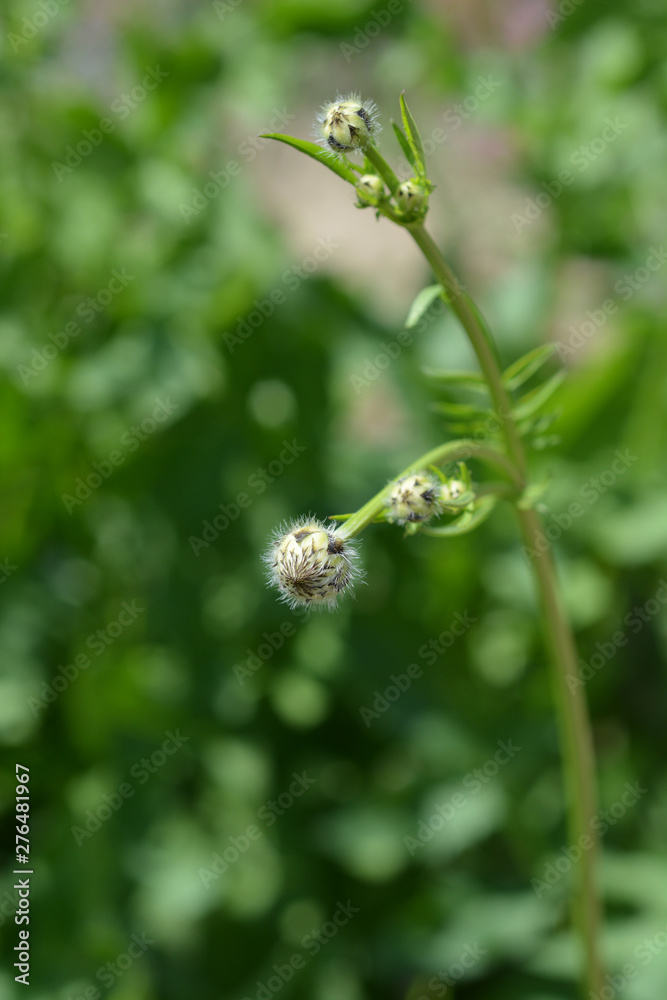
{"x":373,"y":156}
{"x":572,"y":714}
{"x":450,"y":452}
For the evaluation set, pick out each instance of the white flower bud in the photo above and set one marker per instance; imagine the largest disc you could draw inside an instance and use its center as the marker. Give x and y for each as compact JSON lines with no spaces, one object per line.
{"x":414,"y":498}
{"x":310,"y":563}
{"x":452,"y":490}
{"x":371,"y":185}
{"x":410,"y":197}
{"x":348,"y":124}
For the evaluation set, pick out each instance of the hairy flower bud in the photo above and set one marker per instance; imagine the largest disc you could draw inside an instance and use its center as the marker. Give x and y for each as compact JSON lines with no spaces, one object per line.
{"x":414,"y":498}
{"x":310,"y":563}
{"x":347,"y":124}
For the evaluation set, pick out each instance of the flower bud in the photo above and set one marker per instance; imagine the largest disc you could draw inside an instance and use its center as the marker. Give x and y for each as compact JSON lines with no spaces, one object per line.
{"x":410,"y":197}
{"x":370,"y":185}
{"x":414,"y":498}
{"x":452,"y":490}
{"x":310,"y":563}
{"x":347,"y":124}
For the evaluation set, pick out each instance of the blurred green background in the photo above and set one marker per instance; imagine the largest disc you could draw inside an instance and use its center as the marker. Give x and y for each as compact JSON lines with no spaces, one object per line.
{"x":180,"y":302}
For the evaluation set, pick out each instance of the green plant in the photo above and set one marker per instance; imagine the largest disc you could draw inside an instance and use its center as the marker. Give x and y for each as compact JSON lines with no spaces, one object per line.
{"x":312,"y":564}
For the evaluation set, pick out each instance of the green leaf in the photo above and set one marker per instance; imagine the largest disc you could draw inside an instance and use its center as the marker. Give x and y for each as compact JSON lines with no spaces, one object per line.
{"x":310,"y":149}
{"x":458,"y":380}
{"x":466,"y":522}
{"x":533,"y":400}
{"x":521,"y":370}
{"x":414,"y":138}
{"x":463,"y":501}
{"x":421,"y":303}
{"x":461,"y":411}
{"x":404,"y":144}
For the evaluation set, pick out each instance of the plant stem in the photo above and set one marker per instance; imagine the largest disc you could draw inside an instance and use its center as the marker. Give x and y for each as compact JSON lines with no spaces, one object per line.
{"x":449,"y":452}
{"x":571,"y":710}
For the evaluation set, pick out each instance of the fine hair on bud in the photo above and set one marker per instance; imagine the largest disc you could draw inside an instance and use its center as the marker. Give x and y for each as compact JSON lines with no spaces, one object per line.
{"x":414,"y":498}
{"x":347,"y":125}
{"x":311,"y":563}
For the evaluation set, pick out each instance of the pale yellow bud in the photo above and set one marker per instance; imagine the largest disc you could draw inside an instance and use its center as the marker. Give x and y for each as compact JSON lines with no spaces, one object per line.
{"x":370,"y":185}
{"x":414,"y":498}
{"x":310,"y":563}
{"x":347,"y":124}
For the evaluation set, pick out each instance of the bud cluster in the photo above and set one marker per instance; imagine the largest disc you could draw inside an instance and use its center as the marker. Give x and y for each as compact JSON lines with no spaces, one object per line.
{"x":414,"y":498}
{"x":417,"y":498}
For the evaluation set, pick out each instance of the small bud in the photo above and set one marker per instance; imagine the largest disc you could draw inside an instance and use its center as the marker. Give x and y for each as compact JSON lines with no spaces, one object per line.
{"x":348,"y":124}
{"x":410,"y":197}
{"x":370,"y":185}
{"x":310,"y":563}
{"x":414,"y":498}
{"x":452,"y":490}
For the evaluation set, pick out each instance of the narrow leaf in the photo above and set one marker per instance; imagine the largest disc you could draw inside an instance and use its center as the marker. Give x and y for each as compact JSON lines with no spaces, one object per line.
{"x":466,"y":522}
{"x":421,"y":303}
{"x":458,"y":380}
{"x":532,"y":401}
{"x":404,"y":144}
{"x":310,"y":149}
{"x":521,"y":370}
{"x":463,"y":501}
{"x":413,"y":136}
{"x":462,"y":411}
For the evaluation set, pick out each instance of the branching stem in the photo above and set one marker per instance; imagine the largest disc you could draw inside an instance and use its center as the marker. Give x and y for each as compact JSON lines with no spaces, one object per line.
{"x":572,"y":713}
